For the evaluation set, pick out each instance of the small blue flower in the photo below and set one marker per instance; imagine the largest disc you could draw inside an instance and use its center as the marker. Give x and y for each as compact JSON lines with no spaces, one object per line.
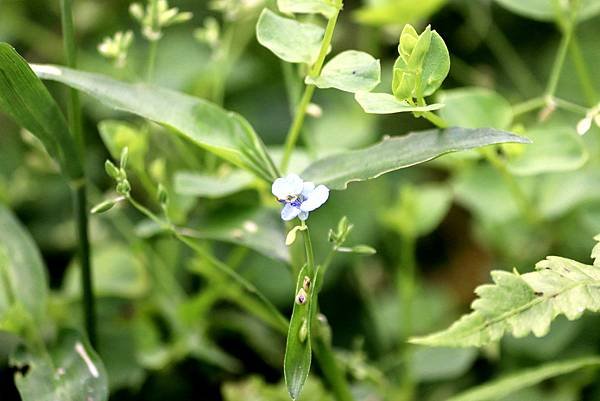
{"x":299,"y":197}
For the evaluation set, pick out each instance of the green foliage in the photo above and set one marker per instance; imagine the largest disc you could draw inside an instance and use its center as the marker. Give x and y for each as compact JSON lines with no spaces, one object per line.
{"x":325,"y":7}
{"x":224,"y":133}
{"x":385,"y":12}
{"x":475,"y":108}
{"x":499,"y":388}
{"x":400,"y":152}
{"x":350,"y":71}
{"x":545,"y":10}
{"x":212,"y":185}
{"x":70,"y":369}
{"x":383,"y":103}
{"x":24,"y":97}
{"x":520,"y":304}
{"x":423,"y":64}
{"x":118,"y":135}
{"x":290,"y":40}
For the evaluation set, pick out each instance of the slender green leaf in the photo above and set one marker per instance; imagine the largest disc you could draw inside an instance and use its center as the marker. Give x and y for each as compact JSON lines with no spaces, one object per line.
{"x":25,"y":98}
{"x":546,"y":10}
{"x":400,"y":152}
{"x":224,"y":133}
{"x":350,"y":71}
{"x":23,"y":275}
{"x":325,"y":7}
{"x":526,"y":303}
{"x":210,"y":185}
{"x":288,"y":39}
{"x":506,"y":385}
{"x":553,"y":149}
{"x":384,"y":103}
{"x":298,"y":353}
{"x":70,"y":371}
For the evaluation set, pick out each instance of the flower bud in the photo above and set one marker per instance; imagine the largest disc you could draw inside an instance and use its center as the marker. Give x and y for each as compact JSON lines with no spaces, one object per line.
{"x":124,"y":157}
{"x":112,"y":170}
{"x":103,"y":206}
{"x":306,"y":283}
{"x":162,"y":195}
{"x":303,"y":332}
{"x":301,"y":297}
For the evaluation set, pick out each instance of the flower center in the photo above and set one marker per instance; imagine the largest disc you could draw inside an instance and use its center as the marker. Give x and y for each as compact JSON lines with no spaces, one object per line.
{"x":294,"y":200}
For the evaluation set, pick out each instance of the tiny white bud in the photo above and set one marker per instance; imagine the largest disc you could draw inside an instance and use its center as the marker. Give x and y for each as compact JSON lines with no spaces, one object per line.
{"x":137,"y":11}
{"x":314,"y":110}
{"x":584,"y":125}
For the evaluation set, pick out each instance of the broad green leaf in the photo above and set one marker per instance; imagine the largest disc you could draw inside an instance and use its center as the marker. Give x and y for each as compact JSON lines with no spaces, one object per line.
{"x":400,"y":152}
{"x":513,"y":382}
{"x":545,"y":10}
{"x":397,"y":12}
{"x":117,"y":273}
{"x":523,"y":304}
{"x":325,"y":7}
{"x":419,"y":209}
{"x":25,"y":98}
{"x":350,"y":71}
{"x":423,"y":71}
{"x":70,"y":371}
{"x":22,"y":274}
{"x":561,"y":192}
{"x":553,"y":149}
{"x":211,"y":185}
{"x":298,"y":353}
{"x":384,"y":103}
{"x":118,"y":135}
{"x":288,"y":39}
{"x":475,"y":108}
{"x":224,"y":133}
{"x":434,"y":364}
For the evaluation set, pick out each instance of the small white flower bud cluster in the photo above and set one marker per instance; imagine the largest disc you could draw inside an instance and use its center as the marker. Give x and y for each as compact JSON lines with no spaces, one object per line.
{"x":157,"y":16}
{"x":116,"y":47}
{"x":209,"y":33}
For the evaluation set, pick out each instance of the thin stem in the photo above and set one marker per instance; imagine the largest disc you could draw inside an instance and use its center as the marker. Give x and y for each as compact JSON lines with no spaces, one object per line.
{"x":528,"y":105}
{"x":310,"y":256}
{"x":80,"y":191}
{"x":570,"y":106}
{"x":331,"y":370}
{"x":315,"y":71}
{"x":559,"y":61}
{"x":585,"y":80}
{"x":152,"y":49}
{"x":435,"y":119}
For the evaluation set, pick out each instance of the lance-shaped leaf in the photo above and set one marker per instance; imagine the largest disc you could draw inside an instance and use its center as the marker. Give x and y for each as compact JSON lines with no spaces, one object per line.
{"x":325,"y":7}
{"x":22,"y":272}
{"x":224,"y":133}
{"x":349,"y":71}
{"x":523,"y":304}
{"x":384,"y":103}
{"x":70,"y":371}
{"x":504,"y":386}
{"x":400,"y":152}
{"x":288,"y":39}
{"x":298,"y":352}
{"x":25,"y":98}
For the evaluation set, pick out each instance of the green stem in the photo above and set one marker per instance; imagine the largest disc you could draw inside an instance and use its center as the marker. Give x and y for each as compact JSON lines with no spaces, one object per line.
{"x":559,"y":61}
{"x":315,"y":71}
{"x":310,"y":256}
{"x":570,"y":106}
{"x":435,"y":119}
{"x":80,"y":190}
{"x":152,"y":49}
{"x":585,"y":80}
{"x":331,"y":370}
{"x":528,"y":105}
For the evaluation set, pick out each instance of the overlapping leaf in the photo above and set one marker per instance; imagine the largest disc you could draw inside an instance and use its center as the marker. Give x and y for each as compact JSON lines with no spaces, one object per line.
{"x":224,"y":133}
{"x":523,"y":304}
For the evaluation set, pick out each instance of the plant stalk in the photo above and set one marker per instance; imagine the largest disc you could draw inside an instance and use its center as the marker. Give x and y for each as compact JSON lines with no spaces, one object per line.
{"x":80,"y":189}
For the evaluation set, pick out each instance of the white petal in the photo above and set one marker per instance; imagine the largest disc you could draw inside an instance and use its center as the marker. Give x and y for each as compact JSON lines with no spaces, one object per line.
{"x":316,"y":198}
{"x":584,"y":125}
{"x":289,"y":185}
{"x":307,"y":188}
{"x":303,"y":215}
{"x":289,"y":212}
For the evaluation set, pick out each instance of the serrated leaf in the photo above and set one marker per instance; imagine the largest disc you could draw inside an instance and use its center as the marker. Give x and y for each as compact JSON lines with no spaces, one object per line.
{"x":23,"y":274}
{"x":350,"y":71}
{"x":70,"y":371}
{"x":523,"y":304}
{"x":25,"y":98}
{"x":325,"y":7}
{"x":288,"y":39}
{"x":545,"y":10}
{"x":400,"y":152}
{"x":224,"y":133}
{"x":384,"y":103}
{"x":499,"y":388}
{"x":298,"y":352}
{"x":553,"y":149}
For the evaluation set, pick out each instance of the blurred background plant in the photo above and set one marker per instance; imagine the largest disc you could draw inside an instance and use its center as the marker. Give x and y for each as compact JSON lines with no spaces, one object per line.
{"x":170,"y":327}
